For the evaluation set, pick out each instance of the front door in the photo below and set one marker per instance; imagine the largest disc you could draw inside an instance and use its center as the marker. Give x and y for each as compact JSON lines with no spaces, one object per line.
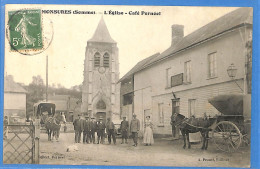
{"x":101,"y":115}
{"x":175,"y":109}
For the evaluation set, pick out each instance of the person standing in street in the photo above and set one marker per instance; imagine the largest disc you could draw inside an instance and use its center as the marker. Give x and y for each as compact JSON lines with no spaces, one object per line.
{"x":86,"y":129}
{"x":134,"y":129}
{"x":81,"y":127}
{"x":124,"y":130}
{"x":148,"y":132}
{"x":76,"y":128}
{"x":101,"y":131}
{"x":93,"y":128}
{"x":64,"y":121}
{"x":110,"y":131}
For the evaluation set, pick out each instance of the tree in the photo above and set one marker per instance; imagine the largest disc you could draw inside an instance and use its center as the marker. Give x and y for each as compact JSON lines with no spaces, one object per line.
{"x":35,"y":93}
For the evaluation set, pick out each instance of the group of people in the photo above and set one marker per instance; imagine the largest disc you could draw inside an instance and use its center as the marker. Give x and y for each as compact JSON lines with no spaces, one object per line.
{"x":89,"y":126}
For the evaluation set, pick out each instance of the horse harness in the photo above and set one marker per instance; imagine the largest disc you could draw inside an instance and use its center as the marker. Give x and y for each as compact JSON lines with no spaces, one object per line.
{"x":52,"y":119}
{"x":180,"y":122}
{"x":185,"y":120}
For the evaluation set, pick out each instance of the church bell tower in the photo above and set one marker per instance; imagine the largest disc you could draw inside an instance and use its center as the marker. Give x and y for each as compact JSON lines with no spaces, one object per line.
{"x":100,"y":92}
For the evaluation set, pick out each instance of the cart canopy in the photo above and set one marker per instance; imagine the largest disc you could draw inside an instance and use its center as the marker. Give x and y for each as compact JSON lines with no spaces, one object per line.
{"x":229,"y":104}
{"x":41,"y":107}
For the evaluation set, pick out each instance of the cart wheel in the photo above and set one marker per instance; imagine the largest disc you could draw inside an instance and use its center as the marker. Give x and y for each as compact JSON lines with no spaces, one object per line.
{"x":227,"y":136}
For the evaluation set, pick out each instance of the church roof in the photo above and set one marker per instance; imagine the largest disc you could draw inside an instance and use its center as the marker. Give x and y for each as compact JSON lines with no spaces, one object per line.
{"x":102,"y":34}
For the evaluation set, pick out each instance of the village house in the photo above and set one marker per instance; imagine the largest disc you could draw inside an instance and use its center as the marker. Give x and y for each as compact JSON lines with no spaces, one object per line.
{"x":14,"y":101}
{"x":127,"y":89}
{"x":192,"y":70}
{"x":66,"y":104}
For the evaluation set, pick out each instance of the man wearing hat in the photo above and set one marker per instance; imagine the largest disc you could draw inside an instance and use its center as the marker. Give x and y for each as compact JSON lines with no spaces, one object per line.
{"x":134,"y":129}
{"x":110,"y":131}
{"x":101,"y":130}
{"x":124,"y":130}
{"x":86,"y":132}
{"x":93,"y":128}
{"x":81,"y":127}
{"x":76,"y":125}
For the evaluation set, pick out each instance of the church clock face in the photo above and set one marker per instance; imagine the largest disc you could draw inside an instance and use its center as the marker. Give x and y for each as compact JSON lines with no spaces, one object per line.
{"x":101,"y":70}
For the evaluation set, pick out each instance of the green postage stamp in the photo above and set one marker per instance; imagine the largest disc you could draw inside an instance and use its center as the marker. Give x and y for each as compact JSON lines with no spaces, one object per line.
{"x":25,"y":29}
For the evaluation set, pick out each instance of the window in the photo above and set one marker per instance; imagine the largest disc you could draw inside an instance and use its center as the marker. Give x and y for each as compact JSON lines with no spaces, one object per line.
{"x":192,"y":106}
{"x":212,"y":58}
{"x":187,"y":72}
{"x":101,"y":104}
{"x":106,"y":60}
{"x":128,"y":99}
{"x":97,"y":60}
{"x":168,"y":80}
{"x":161,"y":113}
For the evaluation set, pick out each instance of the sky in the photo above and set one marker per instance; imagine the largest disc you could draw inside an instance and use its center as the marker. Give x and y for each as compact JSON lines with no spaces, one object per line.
{"x":137,"y":37}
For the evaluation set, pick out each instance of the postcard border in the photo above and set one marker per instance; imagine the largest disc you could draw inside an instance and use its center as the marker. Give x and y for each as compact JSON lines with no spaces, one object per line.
{"x":255,"y":148}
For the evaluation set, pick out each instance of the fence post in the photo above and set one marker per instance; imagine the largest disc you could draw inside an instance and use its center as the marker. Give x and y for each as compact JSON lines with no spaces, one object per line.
{"x":37,"y":151}
{"x":37,"y":141}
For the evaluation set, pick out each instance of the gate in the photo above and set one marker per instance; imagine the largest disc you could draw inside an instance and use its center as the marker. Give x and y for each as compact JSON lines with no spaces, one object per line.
{"x":20,"y":145}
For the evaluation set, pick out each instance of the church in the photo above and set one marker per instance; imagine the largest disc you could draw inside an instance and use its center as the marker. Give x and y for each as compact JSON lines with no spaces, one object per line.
{"x":100,"y":92}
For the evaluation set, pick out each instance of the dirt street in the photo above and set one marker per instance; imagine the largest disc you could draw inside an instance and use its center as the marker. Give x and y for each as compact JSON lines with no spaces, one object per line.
{"x":165,"y":152}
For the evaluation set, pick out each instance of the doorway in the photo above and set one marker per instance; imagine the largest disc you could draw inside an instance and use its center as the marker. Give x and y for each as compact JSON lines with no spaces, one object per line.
{"x":175,"y":109}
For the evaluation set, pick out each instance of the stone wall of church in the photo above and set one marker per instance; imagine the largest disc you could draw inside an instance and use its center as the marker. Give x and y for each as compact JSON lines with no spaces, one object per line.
{"x":100,"y":81}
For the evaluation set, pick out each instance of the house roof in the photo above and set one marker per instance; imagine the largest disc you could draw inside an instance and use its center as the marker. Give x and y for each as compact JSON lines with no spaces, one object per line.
{"x":102,"y":34}
{"x":138,"y":67}
{"x":58,"y":97}
{"x":225,"y":23}
{"x":12,"y":87}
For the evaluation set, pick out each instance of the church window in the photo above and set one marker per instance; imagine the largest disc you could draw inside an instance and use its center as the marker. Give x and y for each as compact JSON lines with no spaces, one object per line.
{"x":106,"y":60}
{"x":101,"y":104}
{"x":97,"y":60}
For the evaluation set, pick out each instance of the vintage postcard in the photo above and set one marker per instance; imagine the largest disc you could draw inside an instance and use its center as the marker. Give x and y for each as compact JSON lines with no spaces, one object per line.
{"x":127,"y":85}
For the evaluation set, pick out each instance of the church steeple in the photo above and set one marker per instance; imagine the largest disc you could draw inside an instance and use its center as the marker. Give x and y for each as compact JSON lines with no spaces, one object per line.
{"x":102,"y":34}
{"x":101,"y":73}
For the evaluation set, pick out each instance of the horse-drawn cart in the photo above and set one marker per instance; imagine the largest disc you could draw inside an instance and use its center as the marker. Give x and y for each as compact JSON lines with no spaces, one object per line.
{"x":230,"y":130}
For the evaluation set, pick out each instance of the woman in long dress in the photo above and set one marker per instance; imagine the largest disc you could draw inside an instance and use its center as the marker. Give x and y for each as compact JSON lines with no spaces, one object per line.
{"x":148,"y":132}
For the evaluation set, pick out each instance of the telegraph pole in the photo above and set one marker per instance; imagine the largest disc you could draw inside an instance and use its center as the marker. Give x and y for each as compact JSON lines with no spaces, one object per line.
{"x":46,"y":78}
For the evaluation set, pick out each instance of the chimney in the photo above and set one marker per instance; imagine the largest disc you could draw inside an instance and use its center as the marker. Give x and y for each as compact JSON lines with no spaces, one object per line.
{"x":177,"y":33}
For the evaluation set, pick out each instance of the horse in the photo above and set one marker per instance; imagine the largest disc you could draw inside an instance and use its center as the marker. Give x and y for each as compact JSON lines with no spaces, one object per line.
{"x":193,"y":125}
{"x":53,"y":125}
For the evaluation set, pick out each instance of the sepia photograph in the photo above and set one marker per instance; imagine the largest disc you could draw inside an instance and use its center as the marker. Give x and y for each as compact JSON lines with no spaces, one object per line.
{"x":110,"y":85}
